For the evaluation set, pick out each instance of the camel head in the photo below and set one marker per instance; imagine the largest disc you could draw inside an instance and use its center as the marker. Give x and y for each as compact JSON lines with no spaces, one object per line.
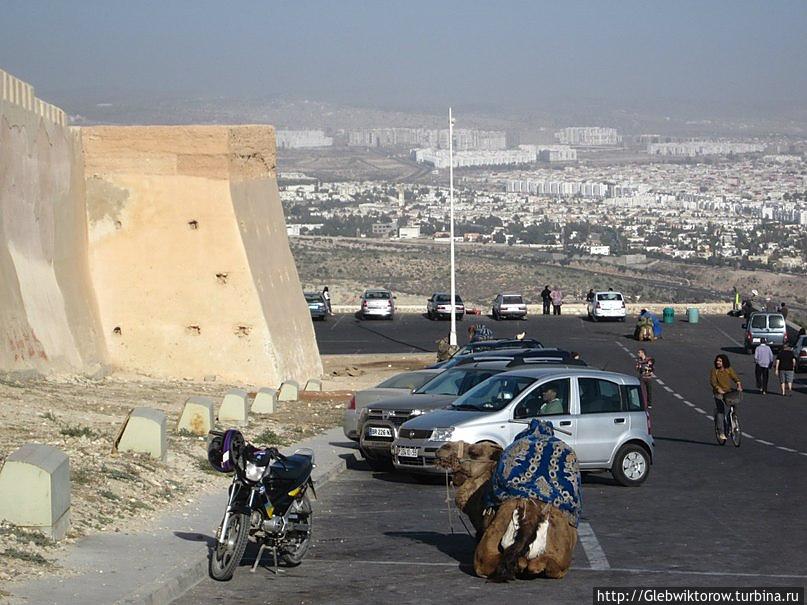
{"x":468,"y":461}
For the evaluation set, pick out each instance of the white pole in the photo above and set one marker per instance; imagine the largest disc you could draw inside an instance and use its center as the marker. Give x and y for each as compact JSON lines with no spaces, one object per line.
{"x":452,"y":338}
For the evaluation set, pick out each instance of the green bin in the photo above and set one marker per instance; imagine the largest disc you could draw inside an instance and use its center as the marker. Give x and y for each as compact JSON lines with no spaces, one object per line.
{"x":692,"y":315}
{"x":668,"y":315}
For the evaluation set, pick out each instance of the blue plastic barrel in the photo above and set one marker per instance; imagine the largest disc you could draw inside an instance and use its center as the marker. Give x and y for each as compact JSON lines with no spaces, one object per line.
{"x":692,"y":315}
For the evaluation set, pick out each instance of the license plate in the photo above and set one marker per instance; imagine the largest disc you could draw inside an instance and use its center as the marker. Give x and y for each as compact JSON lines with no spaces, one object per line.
{"x":407,"y":452}
{"x":756,"y":340}
{"x":376,"y":431}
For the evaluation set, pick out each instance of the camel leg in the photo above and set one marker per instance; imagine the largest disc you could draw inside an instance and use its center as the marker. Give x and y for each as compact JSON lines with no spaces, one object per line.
{"x":487,"y":555}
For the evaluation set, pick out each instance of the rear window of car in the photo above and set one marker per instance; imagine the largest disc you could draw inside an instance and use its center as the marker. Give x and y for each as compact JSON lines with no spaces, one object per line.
{"x":512,"y":300}
{"x":407,"y":380}
{"x":609,"y":296}
{"x":376,"y":295}
{"x":444,"y":298}
{"x":313,"y":298}
{"x":758,"y":321}
{"x":632,"y":396}
{"x":776,"y":321}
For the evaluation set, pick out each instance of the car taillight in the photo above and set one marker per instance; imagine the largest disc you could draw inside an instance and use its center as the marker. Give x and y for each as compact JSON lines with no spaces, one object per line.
{"x":597,"y":305}
{"x":622,"y":303}
{"x":351,"y":405}
{"x":803,"y":353}
{"x":364,"y":303}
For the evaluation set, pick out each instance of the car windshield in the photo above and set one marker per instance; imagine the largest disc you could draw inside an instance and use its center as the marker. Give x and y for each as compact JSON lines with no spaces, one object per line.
{"x":407,"y":380}
{"x":376,"y":295}
{"x":313,"y":298}
{"x":609,"y":296}
{"x":512,"y":300}
{"x":456,"y":381}
{"x":444,"y":298}
{"x":493,"y":394}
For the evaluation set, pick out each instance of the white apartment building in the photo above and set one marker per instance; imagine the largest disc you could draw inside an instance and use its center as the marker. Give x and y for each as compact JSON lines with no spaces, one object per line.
{"x":300,"y":139}
{"x":439,"y":157}
{"x":588,"y":136}
{"x":465,"y":139}
{"x":409,"y":232}
{"x":698,"y":148}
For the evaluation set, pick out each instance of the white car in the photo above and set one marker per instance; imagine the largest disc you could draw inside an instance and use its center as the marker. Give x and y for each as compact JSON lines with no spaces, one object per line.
{"x":607,"y":305}
{"x":800,"y":351}
{"x":509,"y":305}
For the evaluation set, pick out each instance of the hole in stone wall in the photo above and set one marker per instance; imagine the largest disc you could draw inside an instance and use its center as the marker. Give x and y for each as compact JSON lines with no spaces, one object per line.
{"x":116,"y":331}
{"x":242,"y":331}
{"x":118,"y":224}
{"x":193,"y":225}
{"x":221,"y":278}
{"x":195,"y":330}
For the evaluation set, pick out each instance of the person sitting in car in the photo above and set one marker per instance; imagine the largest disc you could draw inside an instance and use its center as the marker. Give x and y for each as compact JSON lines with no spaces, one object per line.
{"x":551,"y":405}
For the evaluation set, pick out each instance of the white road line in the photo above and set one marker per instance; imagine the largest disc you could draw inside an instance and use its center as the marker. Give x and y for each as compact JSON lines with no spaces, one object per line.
{"x":336,"y":323}
{"x":660,"y":381}
{"x":785,"y":449}
{"x":594,"y":552}
{"x":763,"y":442}
{"x":676,"y":395}
{"x":668,"y":389}
{"x":689,"y":403}
{"x":747,"y":436}
{"x":699,"y":411}
{"x":724,"y":333}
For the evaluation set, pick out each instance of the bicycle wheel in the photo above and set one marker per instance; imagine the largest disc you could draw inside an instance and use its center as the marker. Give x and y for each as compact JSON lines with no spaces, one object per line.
{"x":736,"y":435}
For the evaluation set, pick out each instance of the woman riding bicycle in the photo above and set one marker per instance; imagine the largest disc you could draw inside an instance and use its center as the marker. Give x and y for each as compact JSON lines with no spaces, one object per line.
{"x":721,"y":378}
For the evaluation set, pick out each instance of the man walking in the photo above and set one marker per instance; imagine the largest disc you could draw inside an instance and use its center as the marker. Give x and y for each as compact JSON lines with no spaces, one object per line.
{"x":785,"y":367}
{"x":545,"y":297}
{"x":557,"y":300}
{"x":763,"y":360}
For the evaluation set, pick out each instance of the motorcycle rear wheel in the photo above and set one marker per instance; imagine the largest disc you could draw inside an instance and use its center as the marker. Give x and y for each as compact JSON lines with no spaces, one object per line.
{"x":292,"y":557}
{"x":226,"y":557}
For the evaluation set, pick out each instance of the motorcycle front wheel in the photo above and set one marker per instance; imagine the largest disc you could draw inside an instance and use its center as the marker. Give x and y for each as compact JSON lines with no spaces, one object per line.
{"x":293,"y":554}
{"x":227,"y":555}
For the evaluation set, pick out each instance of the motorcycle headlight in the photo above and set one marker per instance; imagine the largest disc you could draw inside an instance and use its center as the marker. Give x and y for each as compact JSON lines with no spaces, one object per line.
{"x":442,"y":434}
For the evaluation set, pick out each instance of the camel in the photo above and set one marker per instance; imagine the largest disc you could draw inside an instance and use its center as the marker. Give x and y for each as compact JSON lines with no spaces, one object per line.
{"x":524,"y":537}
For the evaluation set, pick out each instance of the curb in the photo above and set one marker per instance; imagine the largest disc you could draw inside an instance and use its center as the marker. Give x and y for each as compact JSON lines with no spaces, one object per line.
{"x":181,"y":580}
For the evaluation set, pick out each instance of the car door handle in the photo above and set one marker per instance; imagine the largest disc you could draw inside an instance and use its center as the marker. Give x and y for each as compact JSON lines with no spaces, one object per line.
{"x":619,"y":421}
{"x":565,"y":423}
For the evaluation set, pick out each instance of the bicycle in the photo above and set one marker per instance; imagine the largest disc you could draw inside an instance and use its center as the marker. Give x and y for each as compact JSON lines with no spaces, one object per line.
{"x":731,"y":421}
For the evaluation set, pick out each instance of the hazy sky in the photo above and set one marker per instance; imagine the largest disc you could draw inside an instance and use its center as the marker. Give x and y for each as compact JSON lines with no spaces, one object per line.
{"x":732,"y":52}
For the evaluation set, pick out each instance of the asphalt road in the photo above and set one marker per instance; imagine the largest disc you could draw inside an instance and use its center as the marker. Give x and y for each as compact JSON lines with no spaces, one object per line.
{"x":707,"y":516}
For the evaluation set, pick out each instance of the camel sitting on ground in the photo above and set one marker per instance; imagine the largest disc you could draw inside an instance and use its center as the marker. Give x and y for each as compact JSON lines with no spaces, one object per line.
{"x":524,"y":537}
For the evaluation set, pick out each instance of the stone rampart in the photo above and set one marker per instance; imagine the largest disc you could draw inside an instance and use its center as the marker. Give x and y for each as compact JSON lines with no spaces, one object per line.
{"x":48,"y":312}
{"x":189,"y":254}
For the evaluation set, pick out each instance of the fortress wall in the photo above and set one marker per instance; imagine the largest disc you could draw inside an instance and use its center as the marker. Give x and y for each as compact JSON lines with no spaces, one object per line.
{"x":48,"y":313}
{"x":188,"y":252}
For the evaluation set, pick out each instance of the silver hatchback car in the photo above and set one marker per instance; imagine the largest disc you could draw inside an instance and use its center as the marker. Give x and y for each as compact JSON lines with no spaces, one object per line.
{"x":602,"y":415}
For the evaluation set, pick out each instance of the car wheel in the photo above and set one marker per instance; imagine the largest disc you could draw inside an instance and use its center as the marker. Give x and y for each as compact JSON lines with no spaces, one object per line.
{"x":631,"y":465}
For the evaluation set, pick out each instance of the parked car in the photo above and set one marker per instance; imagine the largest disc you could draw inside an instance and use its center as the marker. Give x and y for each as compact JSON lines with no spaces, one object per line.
{"x":439,"y":306}
{"x":378,"y":425}
{"x":770,"y":326}
{"x":800,"y":351}
{"x":377,"y":303}
{"x":316,"y":305}
{"x":509,"y":305}
{"x":604,"y":414}
{"x":606,"y":305}
{"x":489,"y":345}
{"x":402,"y":383}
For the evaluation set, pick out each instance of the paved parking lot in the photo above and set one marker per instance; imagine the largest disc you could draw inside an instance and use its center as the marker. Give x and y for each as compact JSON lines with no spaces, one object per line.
{"x":707,"y":516}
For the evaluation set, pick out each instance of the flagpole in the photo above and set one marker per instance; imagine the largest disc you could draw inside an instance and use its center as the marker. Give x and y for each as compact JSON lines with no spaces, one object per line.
{"x":452,"y":339}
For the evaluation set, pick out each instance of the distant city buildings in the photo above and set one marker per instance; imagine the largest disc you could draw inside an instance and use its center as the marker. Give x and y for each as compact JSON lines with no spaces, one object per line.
{"x":465,"y":139}
{"x":439,"y":157}
{"x":300,"y":139}
{"x":699,"y":148}
{"x":551,"y":153}
{"x":569,"y":188}
{"x":588,"y":136}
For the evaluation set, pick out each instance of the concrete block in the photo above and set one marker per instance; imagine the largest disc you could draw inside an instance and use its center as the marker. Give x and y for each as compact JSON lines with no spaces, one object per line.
{"x":144,"y":431}
{"x":35,"y":490}
{"x":234,"y":408}
{"x":265,"y":401}
{"x":289,"y":391}
{"x":197,"y":415}
{"x":313,"y":385}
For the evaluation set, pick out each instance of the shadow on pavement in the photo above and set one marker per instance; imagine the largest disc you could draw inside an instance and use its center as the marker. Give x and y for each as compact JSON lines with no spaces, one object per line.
{"x":736,"y":350}
{"x":196,"y":537}
{"x":458,"y":546}
{"x":395,"y":340}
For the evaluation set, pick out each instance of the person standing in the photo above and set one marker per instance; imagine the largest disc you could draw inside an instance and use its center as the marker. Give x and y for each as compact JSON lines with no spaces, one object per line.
{"x":646,"y":368}
{"x":785,"y":368}
{"x":721,"y":378}
{"x":557,"y":300}
{"x":590,"y":296}
{"x":783,"y":310}
{"x":736,"y":302}
{"x":763,"y":360}
{"x":545,"y":297}
{"x":326,"y":296}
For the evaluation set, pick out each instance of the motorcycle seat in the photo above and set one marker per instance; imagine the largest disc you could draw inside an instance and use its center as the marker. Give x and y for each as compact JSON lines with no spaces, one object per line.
{"x":296,"y":467}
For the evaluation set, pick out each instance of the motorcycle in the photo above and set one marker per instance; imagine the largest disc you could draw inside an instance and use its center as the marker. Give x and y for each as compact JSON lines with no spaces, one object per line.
{"x":267,"y":503}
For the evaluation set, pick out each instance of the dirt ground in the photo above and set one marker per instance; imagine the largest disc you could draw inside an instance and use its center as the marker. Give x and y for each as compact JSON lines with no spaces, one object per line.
{"x":123,"y":492}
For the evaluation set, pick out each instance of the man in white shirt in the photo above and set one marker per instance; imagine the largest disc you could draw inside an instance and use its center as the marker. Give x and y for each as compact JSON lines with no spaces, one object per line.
{"x":763,"y":358}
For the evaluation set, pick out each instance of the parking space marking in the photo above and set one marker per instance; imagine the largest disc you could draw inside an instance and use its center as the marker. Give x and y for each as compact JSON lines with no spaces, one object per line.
{"x":336,"y":323}
{"x":724,"y":333}
{"x":785,"y":449}
{"x":594,"y":552}
{"x":677,"y":396}
{"x":747,"y":436}
{"x":689,"y":403}
{"x":668,"y":389}
{"x":660,"y":381}
{"x":763,"y":442}
{"x":699,"y":411}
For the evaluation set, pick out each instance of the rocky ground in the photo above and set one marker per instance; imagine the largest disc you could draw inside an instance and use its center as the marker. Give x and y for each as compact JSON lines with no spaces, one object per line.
{"x":122,"y":492}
